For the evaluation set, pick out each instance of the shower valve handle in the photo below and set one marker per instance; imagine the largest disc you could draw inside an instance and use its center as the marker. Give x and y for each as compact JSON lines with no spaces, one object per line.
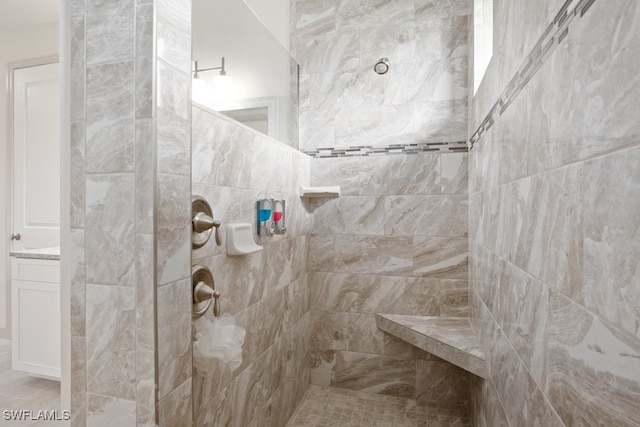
{"x":203,"y":292}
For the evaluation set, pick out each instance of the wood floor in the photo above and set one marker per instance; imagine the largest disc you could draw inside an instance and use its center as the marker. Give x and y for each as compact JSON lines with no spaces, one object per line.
{"x":20,"y":391}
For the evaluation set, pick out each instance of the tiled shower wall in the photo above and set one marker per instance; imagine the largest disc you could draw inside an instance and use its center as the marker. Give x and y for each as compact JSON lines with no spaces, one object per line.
{"x":554,"y":224}
{"x":130,"y":205}
{"x":266,"y":292}
{"x":396,"y":239}
{"x":343,"y":102}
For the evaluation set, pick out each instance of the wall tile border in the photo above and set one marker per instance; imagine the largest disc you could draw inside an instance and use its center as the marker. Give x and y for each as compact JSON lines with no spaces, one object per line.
{"x":369,"y":150}
{"x":551,"y":38}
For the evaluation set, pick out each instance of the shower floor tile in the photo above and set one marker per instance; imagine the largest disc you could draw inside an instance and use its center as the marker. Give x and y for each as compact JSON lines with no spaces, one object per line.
{"x":335,"y":407}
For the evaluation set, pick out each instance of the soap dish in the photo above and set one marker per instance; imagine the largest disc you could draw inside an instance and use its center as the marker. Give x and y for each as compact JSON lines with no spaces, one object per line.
{"x":330,"y":191}
{"x":240,"y":239}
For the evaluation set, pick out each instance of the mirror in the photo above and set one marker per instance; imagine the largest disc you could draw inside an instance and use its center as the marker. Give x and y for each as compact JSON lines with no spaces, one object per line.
{"x":243,"y":70}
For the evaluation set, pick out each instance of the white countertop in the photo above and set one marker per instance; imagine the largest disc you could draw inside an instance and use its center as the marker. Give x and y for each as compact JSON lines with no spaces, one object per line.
{"x":40,"y":253}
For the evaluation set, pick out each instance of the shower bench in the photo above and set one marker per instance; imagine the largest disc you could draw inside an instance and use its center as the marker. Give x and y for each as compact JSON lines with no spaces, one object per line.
{"x":449,"y":338}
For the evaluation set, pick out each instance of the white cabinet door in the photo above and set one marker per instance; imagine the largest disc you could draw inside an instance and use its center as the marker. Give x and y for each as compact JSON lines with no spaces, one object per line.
{"x":36,"y":157}
{"x":35,"y":323}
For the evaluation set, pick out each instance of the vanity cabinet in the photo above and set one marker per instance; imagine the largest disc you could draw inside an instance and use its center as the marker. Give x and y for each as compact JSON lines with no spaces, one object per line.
{"x":35,"y":317}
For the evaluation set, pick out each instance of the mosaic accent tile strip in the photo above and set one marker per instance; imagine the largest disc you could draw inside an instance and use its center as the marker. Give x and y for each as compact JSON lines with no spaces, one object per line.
{"x":335,"y":407}
{"x":555,"y":33}
{"x":369,"y":150}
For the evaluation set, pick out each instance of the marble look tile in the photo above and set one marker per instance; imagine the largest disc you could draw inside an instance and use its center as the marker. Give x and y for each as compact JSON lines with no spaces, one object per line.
{"x":374,"y":374}
{"x":110,"y":222}
{"x":439,"y":80}
{"x":313,"y":18}
{"x":551,"y":242}
{"x":441,"y":216}
{"x":110,"y":31}
{"x":539,"y":411}
{"x":395,"y":42}
{"x":297,"y":300}
{"x":109,"y":118}
{"x":455,"y":173}
{"x":495,"y":414}
{"x":145,"y":293}
{"x":376,"y":294}
{"x":78,"y":375}
{"x":221,"y":151}
{"x":175,"y":409}
{"x":145,"y":176}
{"x":348,"y":215}
{"x":251,"y":389}
{"x":336,"y":171}
{"x":427,"y":8}
{"x":111,"y":341}
{"x":239,"y":293}
{"x":104,"y":411}
{"x":173,"y":30}
{"x":455,"y":36}
{"x":390,"y":175}
{"x":174,"y":336}
{"x":510,"y":378}
{"x":598,"y":54}
{"x":438,"y":121}
{"x":346,"y":331}
{"x":454,"y":298}
{"x":429,"y":37}
{"x":361,"y":254}
{"x":334,"y":53}
{"x":145,"y":387}
{"x":611,"y":236}
{"x":263,"y":323}
{"x":388,"y":374}
{"x":317,"y":129}
{"x":381,"y":126}
{"x":265,"y":160}
{"x":77,"y":164}
{"x":173,"y":228}
{"x":450,"y":338}
{"x":78,"y":7}
{"x":174,"y":120}
{"x":359,"y":88}
{"x":78,"y":281}
{"x":440,"y":257}
{"x":283,"y":262}
{"x":593,"y":368}
{"x":442,"y":385}
{"x":144,"y":75}
{"x":359,"y":15}
{"x":77,"y":72}
{"x":524,"y":303}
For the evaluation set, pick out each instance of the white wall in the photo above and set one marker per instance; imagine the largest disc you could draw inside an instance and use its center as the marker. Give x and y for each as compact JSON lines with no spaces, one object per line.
{"x":15,"y":45}
{"x":275,"y":16}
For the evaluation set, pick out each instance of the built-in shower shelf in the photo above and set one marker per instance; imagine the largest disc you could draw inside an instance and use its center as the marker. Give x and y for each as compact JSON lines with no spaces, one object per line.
{"x":330,"y":191}
{"x":450,"y":338}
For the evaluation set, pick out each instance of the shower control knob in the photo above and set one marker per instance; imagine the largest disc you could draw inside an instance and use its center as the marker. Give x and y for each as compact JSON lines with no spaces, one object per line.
{"x":216,"y":303}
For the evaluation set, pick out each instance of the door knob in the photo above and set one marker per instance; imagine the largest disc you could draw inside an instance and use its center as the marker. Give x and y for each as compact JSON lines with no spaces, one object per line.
{"x":16,"y":236}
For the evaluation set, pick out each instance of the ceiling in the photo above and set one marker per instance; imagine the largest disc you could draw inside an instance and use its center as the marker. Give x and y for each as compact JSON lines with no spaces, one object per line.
{"x":27,"y":13}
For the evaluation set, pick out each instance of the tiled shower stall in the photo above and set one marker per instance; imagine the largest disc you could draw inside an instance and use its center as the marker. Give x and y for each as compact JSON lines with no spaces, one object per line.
{"x":532,"y":233}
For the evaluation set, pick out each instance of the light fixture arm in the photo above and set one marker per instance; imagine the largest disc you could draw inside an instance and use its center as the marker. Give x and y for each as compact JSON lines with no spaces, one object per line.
{"x":200,"y":70}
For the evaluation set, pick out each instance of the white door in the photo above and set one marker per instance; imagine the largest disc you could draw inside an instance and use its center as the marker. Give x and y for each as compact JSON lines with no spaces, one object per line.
{"x":36,"y":158}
